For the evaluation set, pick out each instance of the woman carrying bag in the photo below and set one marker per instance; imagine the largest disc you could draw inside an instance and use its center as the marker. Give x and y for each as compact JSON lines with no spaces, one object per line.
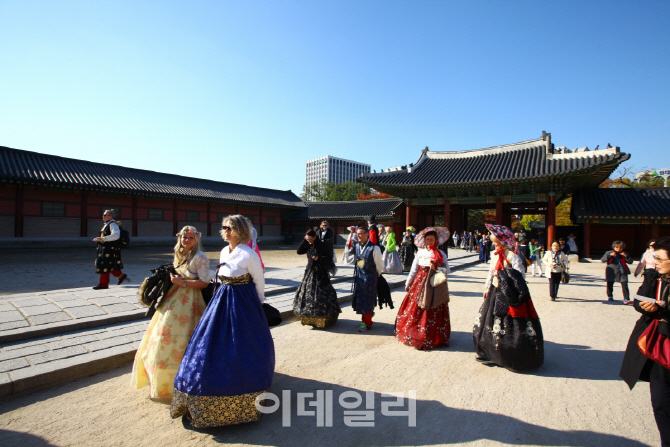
{"x":647,"y":356}
{"x":617,"y":270}
{"x":162,"y":348}
{"x":507,"y":330}
{"x":423,"y":317}
{"x":555,"y":262}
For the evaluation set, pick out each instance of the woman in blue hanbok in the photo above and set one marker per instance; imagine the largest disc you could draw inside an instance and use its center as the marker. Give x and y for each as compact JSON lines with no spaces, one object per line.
{"x":230,"y":358}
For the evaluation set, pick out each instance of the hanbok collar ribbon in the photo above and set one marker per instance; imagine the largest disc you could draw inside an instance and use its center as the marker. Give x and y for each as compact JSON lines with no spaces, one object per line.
{"x":502,"y":258}
{"x":436,"y":256}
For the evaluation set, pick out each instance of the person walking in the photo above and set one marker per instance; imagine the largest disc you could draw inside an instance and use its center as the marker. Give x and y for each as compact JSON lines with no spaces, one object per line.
{"x":507,"y":331}
{"x":390,"y":257}
{"x":327,"y":238}
{"x":636,"y":365}
{"x":535,"y":257}
{"x":315,"y":301}
{"x":617,"y":270}
{"x":647,"y":263}
{"x":524,"y":250}
{"x":230,"y":359}
{"x":162,"y":347}
{"x":424,"y":329}
{"x":368,"y":267}
{"x":555,"y":260}
{"x":109,"y":252}
{"x":407,"y":249}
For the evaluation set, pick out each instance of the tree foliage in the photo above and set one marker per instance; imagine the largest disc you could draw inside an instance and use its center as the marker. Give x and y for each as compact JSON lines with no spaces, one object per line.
{"x":526,"y":219}
{"x":373,"y":195}
{"x":330,"y":191}
{"x":478,"y":218}
{"x":621,"y":178}
{"x":563,"y":213}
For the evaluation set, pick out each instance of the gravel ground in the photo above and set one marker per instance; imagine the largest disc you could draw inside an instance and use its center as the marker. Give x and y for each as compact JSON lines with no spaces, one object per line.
{"x":575,"y":399}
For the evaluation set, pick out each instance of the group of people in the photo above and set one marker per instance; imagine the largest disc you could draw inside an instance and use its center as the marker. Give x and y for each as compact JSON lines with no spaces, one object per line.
{"x":211,"y":361}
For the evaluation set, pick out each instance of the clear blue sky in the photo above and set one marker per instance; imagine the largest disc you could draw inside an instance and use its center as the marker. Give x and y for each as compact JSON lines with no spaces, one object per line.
{"x":247,"y":91}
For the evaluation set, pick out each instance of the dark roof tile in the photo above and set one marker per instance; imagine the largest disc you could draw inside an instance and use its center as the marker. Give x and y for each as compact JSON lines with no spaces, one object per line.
{"x":622,"y":203}
{"x":32,"y":167}
{"x":357,"y":209}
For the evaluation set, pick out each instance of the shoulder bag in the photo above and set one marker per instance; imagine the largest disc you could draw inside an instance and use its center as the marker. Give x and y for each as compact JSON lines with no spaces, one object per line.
{"x":431,"y":296}
{"x":655,"y":345}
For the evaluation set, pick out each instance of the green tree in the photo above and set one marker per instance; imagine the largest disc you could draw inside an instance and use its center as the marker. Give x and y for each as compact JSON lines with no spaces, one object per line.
{"x":330,"y":191}
{"x":563,"y":213}
{"x":526,"y":219}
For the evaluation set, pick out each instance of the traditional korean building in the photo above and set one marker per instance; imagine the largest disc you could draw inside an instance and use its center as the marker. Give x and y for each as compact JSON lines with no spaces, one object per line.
{"x":45,"y":196}
{"x":631,"y":215}
{"x":341,"y":215}
{"x":529,"y":177}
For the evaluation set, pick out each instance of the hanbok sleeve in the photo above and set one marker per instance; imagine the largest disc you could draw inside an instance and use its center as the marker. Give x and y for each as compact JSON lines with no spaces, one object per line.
{"x":256,"y":271}
{"x":349,"y":255}
{"x":518,"y":262}
{"x":379,"y":262}
{"x":446,"y":268}
{"x":413,"y":271}
{"x":202,"y":267}
{"x":115,"y":233}
{"x":492,"y":271}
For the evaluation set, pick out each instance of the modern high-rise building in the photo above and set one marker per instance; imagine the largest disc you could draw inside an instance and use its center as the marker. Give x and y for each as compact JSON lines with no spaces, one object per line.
{"x":333,"y":169}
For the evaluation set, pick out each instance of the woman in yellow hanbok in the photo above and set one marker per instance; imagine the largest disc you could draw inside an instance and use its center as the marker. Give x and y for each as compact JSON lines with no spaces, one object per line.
{"x":159,"y":355}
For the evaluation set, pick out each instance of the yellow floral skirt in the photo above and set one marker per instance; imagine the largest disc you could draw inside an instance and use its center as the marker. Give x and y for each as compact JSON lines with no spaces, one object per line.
{"x":159,"y":355}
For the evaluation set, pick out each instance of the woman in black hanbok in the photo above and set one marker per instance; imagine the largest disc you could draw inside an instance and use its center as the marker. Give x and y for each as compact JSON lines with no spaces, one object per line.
{"x":507,"y":330}
{"x":315,"y":301}
{"x":407,"y":249}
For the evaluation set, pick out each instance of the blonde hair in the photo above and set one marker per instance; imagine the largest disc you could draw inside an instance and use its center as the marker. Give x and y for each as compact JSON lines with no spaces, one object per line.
{"x":179,"y":257}
{"x":389,"y":229}
{"x":241,"y":227}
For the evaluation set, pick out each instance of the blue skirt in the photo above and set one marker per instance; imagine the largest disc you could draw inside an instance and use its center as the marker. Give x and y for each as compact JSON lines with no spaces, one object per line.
{"x":229,"y":361}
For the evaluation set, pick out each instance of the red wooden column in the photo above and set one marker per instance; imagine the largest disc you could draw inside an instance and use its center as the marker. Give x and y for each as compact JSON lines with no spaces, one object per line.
{"x":18,"y":212}
{"x":84,"y":214}
{"x":551,"y":220}
{"x":499,"y":211}
{"x":587,"y":239}
{"x":654,"y":230}
{"x":134,"y":216}
{"x":175,"y":221}
{"x":447,"y":215}
{"x":209,"y":219}
{"x":260,"y":222}
{"x":408,"y":210}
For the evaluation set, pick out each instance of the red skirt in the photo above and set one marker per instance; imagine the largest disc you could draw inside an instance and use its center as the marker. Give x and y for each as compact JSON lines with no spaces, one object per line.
{"x":422,"y":328}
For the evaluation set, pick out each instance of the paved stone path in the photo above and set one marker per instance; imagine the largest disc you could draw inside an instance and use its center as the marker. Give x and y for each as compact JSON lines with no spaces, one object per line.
{"x":51,"y":337}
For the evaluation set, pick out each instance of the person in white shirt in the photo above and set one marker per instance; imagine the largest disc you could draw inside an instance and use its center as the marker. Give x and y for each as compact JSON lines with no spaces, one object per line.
{"x":109,"y":253}
{"x":230,"y":359}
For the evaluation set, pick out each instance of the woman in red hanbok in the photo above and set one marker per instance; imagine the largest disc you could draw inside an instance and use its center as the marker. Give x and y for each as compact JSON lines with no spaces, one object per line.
{"x":424,"y":328}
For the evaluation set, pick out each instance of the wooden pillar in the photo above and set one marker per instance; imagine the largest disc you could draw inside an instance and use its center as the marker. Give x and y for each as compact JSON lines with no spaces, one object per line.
{"x":84,"y":214}
{"x":18,"y":212}
{"x":587,"y":239}
{"x":134,"y":216}
{"x":260,"y":222}
{"x":175,"y":221}
{"x":499,"y":211}
{"x":408,"y":210}
{"x":654,"y":230}
{"x":209,"y":218}
{"x":551,"y":220}
{"x":447,"y":215}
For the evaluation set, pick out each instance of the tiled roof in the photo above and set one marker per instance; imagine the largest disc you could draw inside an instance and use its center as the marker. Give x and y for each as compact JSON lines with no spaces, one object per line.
{"x":527,"y":160}
{"x":356,"y":209}
{"x":32,"y":167}
{"x":622,"y":203}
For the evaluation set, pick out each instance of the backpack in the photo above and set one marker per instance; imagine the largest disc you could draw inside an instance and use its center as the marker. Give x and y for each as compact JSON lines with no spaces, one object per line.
{"x":124,"y":237}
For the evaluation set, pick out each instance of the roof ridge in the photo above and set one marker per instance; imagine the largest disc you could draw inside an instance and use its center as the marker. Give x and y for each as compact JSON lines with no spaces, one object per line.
{"x":87,"y":162}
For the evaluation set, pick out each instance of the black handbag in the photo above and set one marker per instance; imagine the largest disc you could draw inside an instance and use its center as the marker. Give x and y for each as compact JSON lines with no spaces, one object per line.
{"x":272,"y":314}
{"x":154,"y":288}
{"x":565,"y":276}
{"x":209,"y":291}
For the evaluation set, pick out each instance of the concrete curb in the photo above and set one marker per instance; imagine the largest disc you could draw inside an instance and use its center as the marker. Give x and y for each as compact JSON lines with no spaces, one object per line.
{"x":62,"y":327}
{"x":60,"y":371}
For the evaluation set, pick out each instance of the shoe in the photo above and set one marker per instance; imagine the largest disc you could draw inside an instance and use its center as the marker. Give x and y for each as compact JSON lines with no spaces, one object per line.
{"x":364,"y":328}
{"x":609,"y":298}
{"x":628,"y":301}
{"x":100,"y":287}
{"x":122,"y":278}
{"x":553,"y":298}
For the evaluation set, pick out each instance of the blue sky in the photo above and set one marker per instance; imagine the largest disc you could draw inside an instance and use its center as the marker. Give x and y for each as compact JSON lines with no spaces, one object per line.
{"x":247,"y":91}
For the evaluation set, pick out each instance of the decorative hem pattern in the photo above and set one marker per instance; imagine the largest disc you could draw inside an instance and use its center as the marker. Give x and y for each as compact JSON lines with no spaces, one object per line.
{"x":215,"y":411}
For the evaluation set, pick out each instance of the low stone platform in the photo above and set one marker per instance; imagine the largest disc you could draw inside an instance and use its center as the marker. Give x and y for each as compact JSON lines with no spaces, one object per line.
{"x":66,"y":334}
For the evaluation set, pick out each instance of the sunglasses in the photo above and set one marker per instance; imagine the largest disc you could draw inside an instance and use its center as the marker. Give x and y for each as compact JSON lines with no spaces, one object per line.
{"x":226,"y":228}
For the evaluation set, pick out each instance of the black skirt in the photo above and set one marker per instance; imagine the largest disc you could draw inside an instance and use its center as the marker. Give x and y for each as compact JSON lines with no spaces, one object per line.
{"x":513,"y":342}
{"x":315,"y":300}
{"x":406,"y":253}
